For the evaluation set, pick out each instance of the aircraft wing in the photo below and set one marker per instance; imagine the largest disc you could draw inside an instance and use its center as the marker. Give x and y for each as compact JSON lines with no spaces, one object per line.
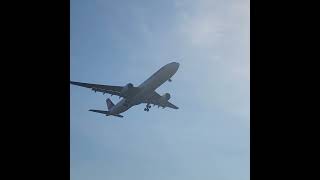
{"x":113,"y":90}
{"x":155,"y":99}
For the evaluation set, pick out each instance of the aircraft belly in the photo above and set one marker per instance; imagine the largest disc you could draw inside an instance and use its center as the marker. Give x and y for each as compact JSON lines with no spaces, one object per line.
{"x":148,"y":87}
{"x":153,"y":83}
{"x":119,"y":109}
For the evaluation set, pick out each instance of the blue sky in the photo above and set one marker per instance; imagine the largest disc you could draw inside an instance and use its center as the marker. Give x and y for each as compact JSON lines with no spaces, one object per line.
{"x":121,"y":41}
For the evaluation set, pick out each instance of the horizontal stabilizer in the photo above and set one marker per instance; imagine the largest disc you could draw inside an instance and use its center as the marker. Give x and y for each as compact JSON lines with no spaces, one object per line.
{"x":100,"y":111}
{"x":105,"y":112}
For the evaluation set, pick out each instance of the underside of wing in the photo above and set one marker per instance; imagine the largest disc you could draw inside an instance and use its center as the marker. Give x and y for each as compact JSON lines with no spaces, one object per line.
{"x":157,"y":99}
{"x":113,"y":90}
{"x":170,"y":105}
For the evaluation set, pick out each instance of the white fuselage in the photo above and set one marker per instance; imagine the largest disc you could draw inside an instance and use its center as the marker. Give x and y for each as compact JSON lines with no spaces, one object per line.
{"x":146,"y":88}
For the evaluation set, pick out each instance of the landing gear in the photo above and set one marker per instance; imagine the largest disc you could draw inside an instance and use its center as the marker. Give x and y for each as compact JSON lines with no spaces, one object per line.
{"x":148,"y":106}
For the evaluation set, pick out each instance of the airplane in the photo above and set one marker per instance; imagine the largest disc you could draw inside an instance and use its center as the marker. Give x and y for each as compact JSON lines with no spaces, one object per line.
{"x":144,"y":93}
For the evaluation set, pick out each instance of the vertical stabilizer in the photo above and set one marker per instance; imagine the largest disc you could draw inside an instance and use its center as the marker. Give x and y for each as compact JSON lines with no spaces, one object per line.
{"x":109,"y":104}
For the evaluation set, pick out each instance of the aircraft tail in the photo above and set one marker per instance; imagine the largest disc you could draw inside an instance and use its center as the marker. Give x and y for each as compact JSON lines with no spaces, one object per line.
{"x":109,"y":103}
{"x":107,"y":113}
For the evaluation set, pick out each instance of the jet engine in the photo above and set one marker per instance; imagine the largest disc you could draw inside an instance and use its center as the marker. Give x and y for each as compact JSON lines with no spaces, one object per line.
{"x":126,"y":89}
{"x":165,"y":97}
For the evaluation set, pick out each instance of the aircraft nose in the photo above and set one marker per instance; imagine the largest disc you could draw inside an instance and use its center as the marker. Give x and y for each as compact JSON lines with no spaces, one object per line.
{"x":175,"y":65}
{"x":172,"y":67}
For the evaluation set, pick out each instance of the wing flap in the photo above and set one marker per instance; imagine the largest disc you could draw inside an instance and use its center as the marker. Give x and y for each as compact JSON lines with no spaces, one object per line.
{"x":113,"y":90}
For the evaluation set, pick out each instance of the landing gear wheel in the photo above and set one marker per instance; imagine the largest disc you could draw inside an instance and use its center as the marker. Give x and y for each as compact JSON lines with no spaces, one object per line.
{"x":147,"y":107}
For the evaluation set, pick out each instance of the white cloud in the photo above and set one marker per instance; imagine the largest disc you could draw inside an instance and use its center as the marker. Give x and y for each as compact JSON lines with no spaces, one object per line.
{"x":204,"y":23}
{"x":201,"y":30}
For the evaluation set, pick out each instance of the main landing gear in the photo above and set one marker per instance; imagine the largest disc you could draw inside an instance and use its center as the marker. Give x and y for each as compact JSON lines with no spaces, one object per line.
{"x":148,"y":106}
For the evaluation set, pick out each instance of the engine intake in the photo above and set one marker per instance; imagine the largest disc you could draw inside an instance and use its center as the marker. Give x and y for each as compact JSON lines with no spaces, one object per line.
{"x":165,"y":97}
{"x":126,"y":89}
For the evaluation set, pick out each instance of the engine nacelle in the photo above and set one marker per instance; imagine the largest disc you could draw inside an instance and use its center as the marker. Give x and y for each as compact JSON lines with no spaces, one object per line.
{"x":126,"y":89}
{"x":165,"y":97}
